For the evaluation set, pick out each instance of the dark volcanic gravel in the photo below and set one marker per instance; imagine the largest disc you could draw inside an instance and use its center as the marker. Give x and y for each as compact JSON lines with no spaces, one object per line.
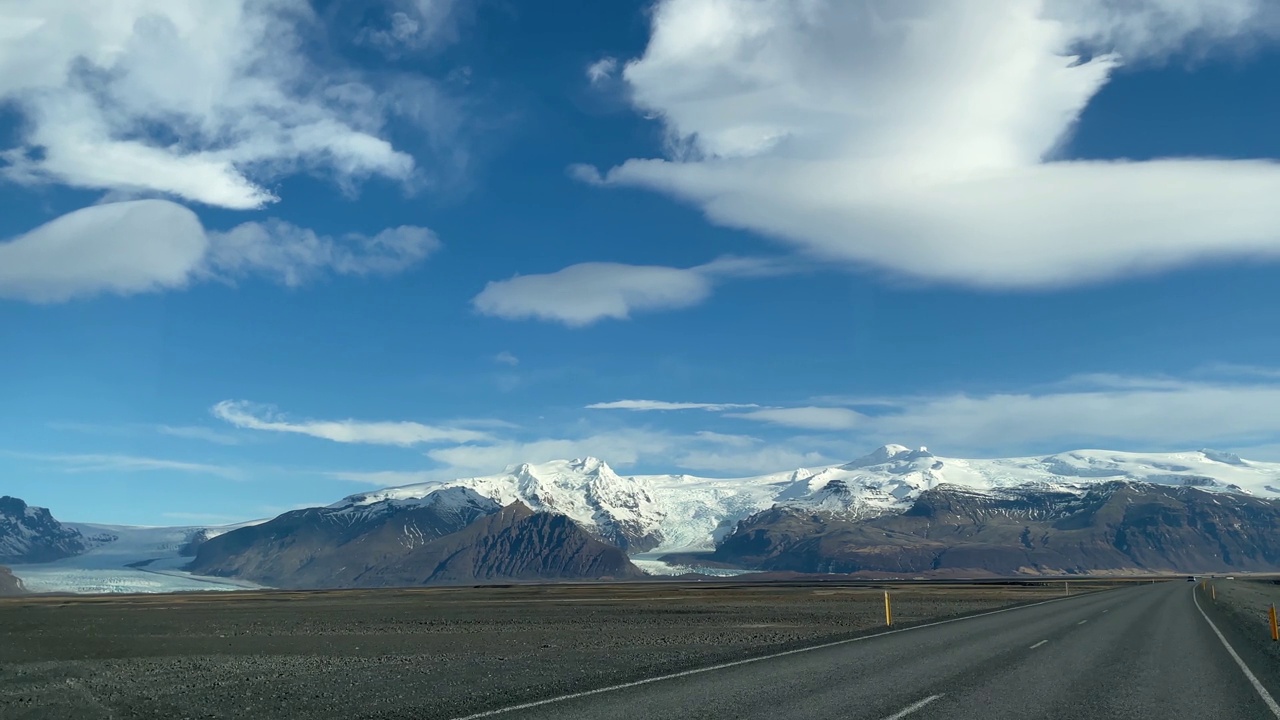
{"x":423,"y":653}
{"x":1244,"y":603}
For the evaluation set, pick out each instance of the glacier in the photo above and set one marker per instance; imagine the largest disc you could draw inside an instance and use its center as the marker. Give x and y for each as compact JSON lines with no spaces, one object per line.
{"x":126,"y":559}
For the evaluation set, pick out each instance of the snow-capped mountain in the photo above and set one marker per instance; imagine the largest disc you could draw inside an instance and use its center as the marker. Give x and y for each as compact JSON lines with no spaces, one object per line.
{"x":683,"y":512}
{"x":623,"y":511}
{"x":453,"y":535}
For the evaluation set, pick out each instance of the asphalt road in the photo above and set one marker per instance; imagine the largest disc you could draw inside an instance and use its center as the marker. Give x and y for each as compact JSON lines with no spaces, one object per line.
{"x":1139,"y":652}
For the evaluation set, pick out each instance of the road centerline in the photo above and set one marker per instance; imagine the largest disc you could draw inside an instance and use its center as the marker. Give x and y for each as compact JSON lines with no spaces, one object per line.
{"x":1033,"y":647}
{"x":913,"y":707}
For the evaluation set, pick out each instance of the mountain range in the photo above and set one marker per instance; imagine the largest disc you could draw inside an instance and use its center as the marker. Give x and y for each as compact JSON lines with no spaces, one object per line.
{"x":895,"y":510}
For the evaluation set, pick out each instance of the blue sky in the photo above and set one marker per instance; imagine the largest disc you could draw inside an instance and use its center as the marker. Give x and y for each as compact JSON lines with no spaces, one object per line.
{"x":417,"y":239}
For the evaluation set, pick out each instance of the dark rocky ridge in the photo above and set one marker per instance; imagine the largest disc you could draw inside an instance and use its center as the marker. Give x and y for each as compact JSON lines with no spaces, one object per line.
{"x":10,"y":585}
{"x":31,"y":535}
{"x":1112,"y":527}
{"x":454,"y":536}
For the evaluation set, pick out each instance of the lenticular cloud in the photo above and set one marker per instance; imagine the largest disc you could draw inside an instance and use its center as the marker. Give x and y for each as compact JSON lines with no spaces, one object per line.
{"x":922,"y":138}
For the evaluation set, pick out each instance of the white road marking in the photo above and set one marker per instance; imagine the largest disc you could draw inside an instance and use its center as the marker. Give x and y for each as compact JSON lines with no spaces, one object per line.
{"x":1253,"y":679}
{"x":748,"y":661}
{"x":1106,"y":611}
{"x":1082,"y":622}
{"x":1033,"y":647}
{"x":912,"y":708}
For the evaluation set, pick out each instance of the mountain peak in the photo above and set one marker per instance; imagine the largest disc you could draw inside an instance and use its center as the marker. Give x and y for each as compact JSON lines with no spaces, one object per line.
{"x":590,"y":464}
{"x":1223,"y":457}
{"x":881,"y":455}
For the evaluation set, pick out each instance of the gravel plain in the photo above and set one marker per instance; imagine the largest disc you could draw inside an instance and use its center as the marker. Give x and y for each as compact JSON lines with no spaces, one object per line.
{"x":1244,"y":603}
{"x":419,"y":653}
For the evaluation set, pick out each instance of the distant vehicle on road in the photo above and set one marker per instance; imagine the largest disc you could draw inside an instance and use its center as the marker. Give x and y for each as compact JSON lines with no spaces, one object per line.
{"x":1191,"y":578}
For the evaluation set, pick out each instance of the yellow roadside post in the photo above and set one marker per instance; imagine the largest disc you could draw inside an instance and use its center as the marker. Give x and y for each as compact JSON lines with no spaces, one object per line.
{"x":1213,"y":591}
{"x":888,"y":610}
{"x":1275,"y":629}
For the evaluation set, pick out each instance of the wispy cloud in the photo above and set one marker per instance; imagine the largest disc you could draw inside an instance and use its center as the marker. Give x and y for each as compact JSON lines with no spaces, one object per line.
{"x":602,"y":70}
{"x":1164,"y":415}
{"x":386,"y":478}
{"x":190,"y":432}
{"x":198,"y":518}
{"x":1226,"y":407}
{"x":1221,"y":406}
{"x":506,"y":358}
{"x":656,"y":405}
{"x":811,"y":418}
{"x":627,"y":448}
{"x":415,"y":25}
{"x":1100,"y":410}
{"x":292,"y":255}
{"x":195,"y":432}
{"x":249,"y":416}
{"x":73,"y":462}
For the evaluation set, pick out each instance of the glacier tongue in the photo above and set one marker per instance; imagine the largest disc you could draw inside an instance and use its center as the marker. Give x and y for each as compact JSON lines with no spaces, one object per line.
{"x":682,"y":512}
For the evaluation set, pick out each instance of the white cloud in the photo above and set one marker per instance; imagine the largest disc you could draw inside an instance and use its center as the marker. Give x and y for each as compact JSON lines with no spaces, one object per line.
{"x":506,"y":358}
{"x":201,"y":100}
{"x":1225,"y":406}
{"x":624,"y":449}
{"x":602,"y":70}
{"x":812,"y":418}
{"x":918,"y":137}
{"x":582,"y":294}
{"x":737,"y":441}
{"x":651,"y":405}
{"x":399,"y":433}
{"x":758,"y":461}
{"x":142,"y":246}
{"x":120,"y":248}
{"x":1169,"y":415}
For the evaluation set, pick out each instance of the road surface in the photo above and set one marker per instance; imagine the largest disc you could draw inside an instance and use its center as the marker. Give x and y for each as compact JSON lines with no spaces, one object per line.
{"x":1144,"y":651}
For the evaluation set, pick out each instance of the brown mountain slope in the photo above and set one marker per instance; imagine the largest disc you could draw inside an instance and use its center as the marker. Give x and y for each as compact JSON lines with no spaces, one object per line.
{"x":1113,"y":527}
{"x":456,"y":536}
{"x":515,"y":543}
